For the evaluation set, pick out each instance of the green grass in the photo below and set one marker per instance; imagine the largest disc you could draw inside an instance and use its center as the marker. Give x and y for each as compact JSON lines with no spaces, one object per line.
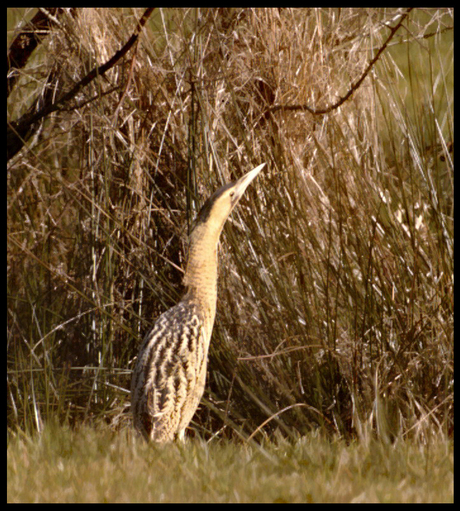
{"x":97,"y":465}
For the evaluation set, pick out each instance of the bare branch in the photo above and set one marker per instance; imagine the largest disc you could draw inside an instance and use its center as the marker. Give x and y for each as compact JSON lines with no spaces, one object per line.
{"x":353,"y":88}
{"x":19,"y":131}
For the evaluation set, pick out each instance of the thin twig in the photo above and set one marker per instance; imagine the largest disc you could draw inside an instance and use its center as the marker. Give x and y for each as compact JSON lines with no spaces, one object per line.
{"x":353,"y":88}
{"x":17,"y":131}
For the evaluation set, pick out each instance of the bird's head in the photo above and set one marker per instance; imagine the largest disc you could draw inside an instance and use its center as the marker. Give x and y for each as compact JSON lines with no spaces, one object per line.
{"x":221,"y":203}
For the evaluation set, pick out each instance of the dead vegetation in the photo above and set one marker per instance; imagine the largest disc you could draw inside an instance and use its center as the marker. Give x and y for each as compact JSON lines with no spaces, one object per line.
{"x":335,"y":304}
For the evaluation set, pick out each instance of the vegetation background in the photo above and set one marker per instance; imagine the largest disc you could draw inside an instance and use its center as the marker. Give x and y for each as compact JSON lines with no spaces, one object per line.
{"x":335,"y":308}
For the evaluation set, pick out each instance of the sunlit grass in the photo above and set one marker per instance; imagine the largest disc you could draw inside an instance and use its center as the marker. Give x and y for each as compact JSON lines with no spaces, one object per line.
{"x":96,"y":465}
{"x":335,"y":306}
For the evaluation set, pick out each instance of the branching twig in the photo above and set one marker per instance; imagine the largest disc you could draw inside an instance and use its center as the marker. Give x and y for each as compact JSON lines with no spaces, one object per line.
{"x":18,"y":131}
{"x":353,"y":88}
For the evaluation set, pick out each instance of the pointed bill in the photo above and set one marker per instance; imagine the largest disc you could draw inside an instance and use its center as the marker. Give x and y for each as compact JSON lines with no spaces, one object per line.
{"x":243,"y":182}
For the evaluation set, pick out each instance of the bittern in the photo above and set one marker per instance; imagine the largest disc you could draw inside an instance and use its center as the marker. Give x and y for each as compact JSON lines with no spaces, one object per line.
{"x":170,"y":373}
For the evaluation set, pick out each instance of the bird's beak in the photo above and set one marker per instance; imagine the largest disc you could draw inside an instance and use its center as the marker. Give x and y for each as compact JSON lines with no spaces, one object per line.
{"x":243,"y":182}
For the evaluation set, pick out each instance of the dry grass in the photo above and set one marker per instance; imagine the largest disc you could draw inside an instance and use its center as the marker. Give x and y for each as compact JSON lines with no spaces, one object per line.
{"x":335,"y":305}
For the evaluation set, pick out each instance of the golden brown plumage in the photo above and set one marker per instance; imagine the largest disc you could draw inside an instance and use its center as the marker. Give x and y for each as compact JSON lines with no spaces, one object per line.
{"x":170,"y":373}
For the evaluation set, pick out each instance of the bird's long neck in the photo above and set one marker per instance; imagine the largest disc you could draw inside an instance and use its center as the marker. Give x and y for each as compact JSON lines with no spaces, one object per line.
{"x":201,"y":272}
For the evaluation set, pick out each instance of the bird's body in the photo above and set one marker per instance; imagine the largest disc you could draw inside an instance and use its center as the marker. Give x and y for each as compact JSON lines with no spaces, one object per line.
{"x":170,"y":373}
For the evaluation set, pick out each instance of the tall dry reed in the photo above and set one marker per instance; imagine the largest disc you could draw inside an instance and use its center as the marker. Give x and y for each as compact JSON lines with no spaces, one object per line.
{"x":335,"y":304}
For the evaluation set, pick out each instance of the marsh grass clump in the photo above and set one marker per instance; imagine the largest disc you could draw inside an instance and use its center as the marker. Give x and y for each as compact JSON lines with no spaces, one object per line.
{"x":335,"y":306}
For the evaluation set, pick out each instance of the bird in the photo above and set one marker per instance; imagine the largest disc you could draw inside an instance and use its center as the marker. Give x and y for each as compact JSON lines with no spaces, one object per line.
{"x":169,"y":376}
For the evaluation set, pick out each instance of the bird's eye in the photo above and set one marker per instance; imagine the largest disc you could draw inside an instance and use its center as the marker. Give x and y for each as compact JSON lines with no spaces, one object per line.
{"x":232,"y":194}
